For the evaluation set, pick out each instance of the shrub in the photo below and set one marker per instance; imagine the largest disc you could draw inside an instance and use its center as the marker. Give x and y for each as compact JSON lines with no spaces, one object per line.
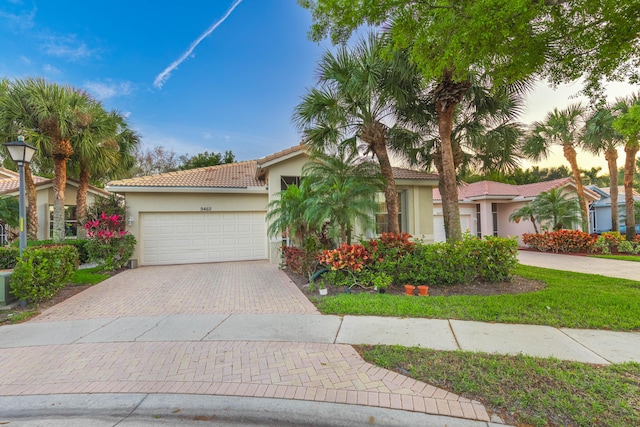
{"x":80,"y":244}
{"x":560,"y":241}
{"x":613,"y":239}
{"x":625,"y":247}
{"x":347,"y":257}
{"x":300,"y":261}
{"x":108,"y":243}
{"x":8,"y":257}
{"x":43,"y":271}
{"x":601,"y":246}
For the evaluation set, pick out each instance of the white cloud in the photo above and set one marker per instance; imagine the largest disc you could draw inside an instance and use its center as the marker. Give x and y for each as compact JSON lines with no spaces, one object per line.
{"x":25,"y":60}
{"x":48,"y":68}
{"x":161,"y":78}
{"x":207,"y":135}
{"x":68,"y":47}
{"x":109,"y":88}
{"x":20,"y":21}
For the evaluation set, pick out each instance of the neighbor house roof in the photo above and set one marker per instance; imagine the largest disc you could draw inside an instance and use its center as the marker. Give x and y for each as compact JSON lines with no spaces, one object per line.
{"x":500,"y":191}
{"x":605,"y":195}
{"x":230,"y":175}
{"x":10,"y":182}
{"x":401,"y":173}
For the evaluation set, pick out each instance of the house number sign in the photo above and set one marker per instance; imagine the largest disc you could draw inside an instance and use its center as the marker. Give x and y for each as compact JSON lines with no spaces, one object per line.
{"x":205,"y":208}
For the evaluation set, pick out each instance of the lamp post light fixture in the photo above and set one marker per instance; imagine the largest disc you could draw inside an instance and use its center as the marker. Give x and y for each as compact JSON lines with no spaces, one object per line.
{"x":21,"y":153}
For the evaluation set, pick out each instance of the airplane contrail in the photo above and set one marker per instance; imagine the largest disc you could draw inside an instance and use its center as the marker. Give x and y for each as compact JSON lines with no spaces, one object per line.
{"x":166,"y":73}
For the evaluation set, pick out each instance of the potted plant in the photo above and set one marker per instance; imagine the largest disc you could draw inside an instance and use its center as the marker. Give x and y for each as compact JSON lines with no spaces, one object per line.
{"x":323,"y":289}
{"x":409,"y":290}
{"x":423,"y":290}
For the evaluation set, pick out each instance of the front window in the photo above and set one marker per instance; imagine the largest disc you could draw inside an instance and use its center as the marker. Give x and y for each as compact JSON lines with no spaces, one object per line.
{"x":70,"y":222}
{"x":494,"y":215}
{"x":382,"y":217}
{"x":286,"y":181}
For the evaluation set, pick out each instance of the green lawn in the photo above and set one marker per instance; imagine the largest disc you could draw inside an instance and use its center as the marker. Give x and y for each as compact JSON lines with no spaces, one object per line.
{"x":88,"y":276}
{"x":523,"y":389}
{"x":571,"y":300}
{"x":635,"y":258}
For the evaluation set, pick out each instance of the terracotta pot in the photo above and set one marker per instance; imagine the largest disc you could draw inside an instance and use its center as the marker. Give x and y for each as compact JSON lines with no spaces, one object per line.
{"x":409,"y":290}
{"x":423,"y":290}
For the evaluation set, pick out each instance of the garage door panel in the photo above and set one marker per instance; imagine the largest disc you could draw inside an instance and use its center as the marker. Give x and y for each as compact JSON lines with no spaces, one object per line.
{"x":181,"y":238}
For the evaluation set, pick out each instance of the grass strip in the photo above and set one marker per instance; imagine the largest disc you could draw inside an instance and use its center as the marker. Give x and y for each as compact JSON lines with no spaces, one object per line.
{"x":570,"y":300}
{"x":524,"y":389}
{"x":634,"y":258}
{"x":88,"y":276}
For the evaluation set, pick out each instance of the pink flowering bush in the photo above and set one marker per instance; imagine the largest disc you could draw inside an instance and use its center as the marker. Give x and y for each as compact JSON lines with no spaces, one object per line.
{"x":108,"y":242}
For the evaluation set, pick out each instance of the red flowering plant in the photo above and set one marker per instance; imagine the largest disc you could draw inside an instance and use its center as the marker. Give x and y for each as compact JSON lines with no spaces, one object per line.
{"x":346,"y":263}
{"x":560,"y":241}
{"x":390,"y":246}
{"x":108,"y":242}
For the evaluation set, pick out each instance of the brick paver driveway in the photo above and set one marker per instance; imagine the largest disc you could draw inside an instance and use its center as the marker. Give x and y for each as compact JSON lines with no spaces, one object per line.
{"x":224,"y":288}
{"x":125,"y":307}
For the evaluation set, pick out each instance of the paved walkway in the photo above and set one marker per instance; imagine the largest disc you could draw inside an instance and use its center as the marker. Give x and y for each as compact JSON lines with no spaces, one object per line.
{"x":244,"y":330}
{"x":582,"y":264}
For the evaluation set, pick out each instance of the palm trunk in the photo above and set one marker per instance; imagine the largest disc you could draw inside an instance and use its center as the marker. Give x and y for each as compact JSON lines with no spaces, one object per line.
{"x":61,"y":152}
{"x":32,"y":203}
{"x":611,"y":155}
{"x":443,"y":194}
{"x":448,"y":95}
{"x":571,"y":156}
{"x":81,"y":201}
{"x":631,"y":150}
{"x":375,"y":136}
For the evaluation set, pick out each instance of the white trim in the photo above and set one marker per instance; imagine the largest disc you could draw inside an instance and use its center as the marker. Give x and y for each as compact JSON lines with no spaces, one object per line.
{"x":140,"y":189}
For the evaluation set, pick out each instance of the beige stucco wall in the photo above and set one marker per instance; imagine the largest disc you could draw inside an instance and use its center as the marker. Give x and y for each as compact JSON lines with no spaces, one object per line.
{"x":139,"y":203}
{"x":45,"y":198}
{"x":419,"y":210}
{"x":288,"y":167}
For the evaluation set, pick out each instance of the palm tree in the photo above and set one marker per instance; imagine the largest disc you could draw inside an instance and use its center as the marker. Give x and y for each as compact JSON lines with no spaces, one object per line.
{"x":286,"y":213}
{"x":628,"y":124}
{"x":600,"y":137}
{"x":49,"y":116}
{"x":562,"y":127}
{"x":556,"y":210}
{"x":358,"y":91}
{"x":98,"y":151}
{"x":484,"y":136}
{"x":344,"y":189}
{"x":526,"y":212}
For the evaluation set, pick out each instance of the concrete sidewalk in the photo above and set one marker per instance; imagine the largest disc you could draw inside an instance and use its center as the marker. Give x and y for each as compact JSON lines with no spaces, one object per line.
{"x":588,"y":346}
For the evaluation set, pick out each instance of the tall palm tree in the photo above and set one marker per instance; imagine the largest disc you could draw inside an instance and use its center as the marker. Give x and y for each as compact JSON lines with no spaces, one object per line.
{"x":484,"y":136}
{"x":628,"y":124}
{"x":344,"y":187}
{"x":99,"y":149}
{"x":562,"y":127}
{"x":358,"y":90}
{"x":49,"y":115}
{"x":600,"y":137}
{"x":555,"y":209}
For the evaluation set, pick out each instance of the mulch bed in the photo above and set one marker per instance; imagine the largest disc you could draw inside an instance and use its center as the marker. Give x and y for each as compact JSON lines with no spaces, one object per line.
{"x":517,"y":285}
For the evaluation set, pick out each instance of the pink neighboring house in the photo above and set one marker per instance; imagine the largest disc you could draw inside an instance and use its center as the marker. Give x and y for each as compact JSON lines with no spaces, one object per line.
{"x":485,"y":206}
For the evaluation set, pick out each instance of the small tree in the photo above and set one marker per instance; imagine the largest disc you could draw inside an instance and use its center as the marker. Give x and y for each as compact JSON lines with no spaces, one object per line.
{"x":556,"y":210}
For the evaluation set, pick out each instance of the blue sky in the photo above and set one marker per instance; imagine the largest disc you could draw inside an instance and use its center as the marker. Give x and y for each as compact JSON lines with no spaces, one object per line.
{"x":235,"y":90}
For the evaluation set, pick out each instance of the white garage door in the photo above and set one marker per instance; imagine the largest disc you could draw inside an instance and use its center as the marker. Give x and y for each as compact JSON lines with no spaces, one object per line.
{"x":189,"y":238}
{"x":438,"y":227}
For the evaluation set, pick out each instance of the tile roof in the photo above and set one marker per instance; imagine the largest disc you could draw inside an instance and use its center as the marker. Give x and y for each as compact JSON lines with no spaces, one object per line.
{"x":231,"y":175}
{"x":401,"y":173}
{"x":10,"y":185}
{"x":492,"y":189}
{"x":283,"y":153}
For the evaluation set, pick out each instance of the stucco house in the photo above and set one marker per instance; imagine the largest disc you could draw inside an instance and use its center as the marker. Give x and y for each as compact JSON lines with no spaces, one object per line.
{"x":10,"y":186}
{"x":218,"y":213}
{"x":600,"y":210}
{"x":485,"y":206}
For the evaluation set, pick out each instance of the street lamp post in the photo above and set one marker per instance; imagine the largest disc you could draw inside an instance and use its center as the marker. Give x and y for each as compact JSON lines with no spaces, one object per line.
{"x":21,"y":153}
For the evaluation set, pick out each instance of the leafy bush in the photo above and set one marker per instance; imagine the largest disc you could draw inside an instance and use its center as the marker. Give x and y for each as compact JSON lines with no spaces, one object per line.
{"x":8,"y":257}
{"x":108,"y":243}
{"x":560,"y":241}
{"x":80,"y":244}
{"x":625,"y":247}
{"x":490,"y":259}
{"x":300,"y":261}
{"x":43,"y":271}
